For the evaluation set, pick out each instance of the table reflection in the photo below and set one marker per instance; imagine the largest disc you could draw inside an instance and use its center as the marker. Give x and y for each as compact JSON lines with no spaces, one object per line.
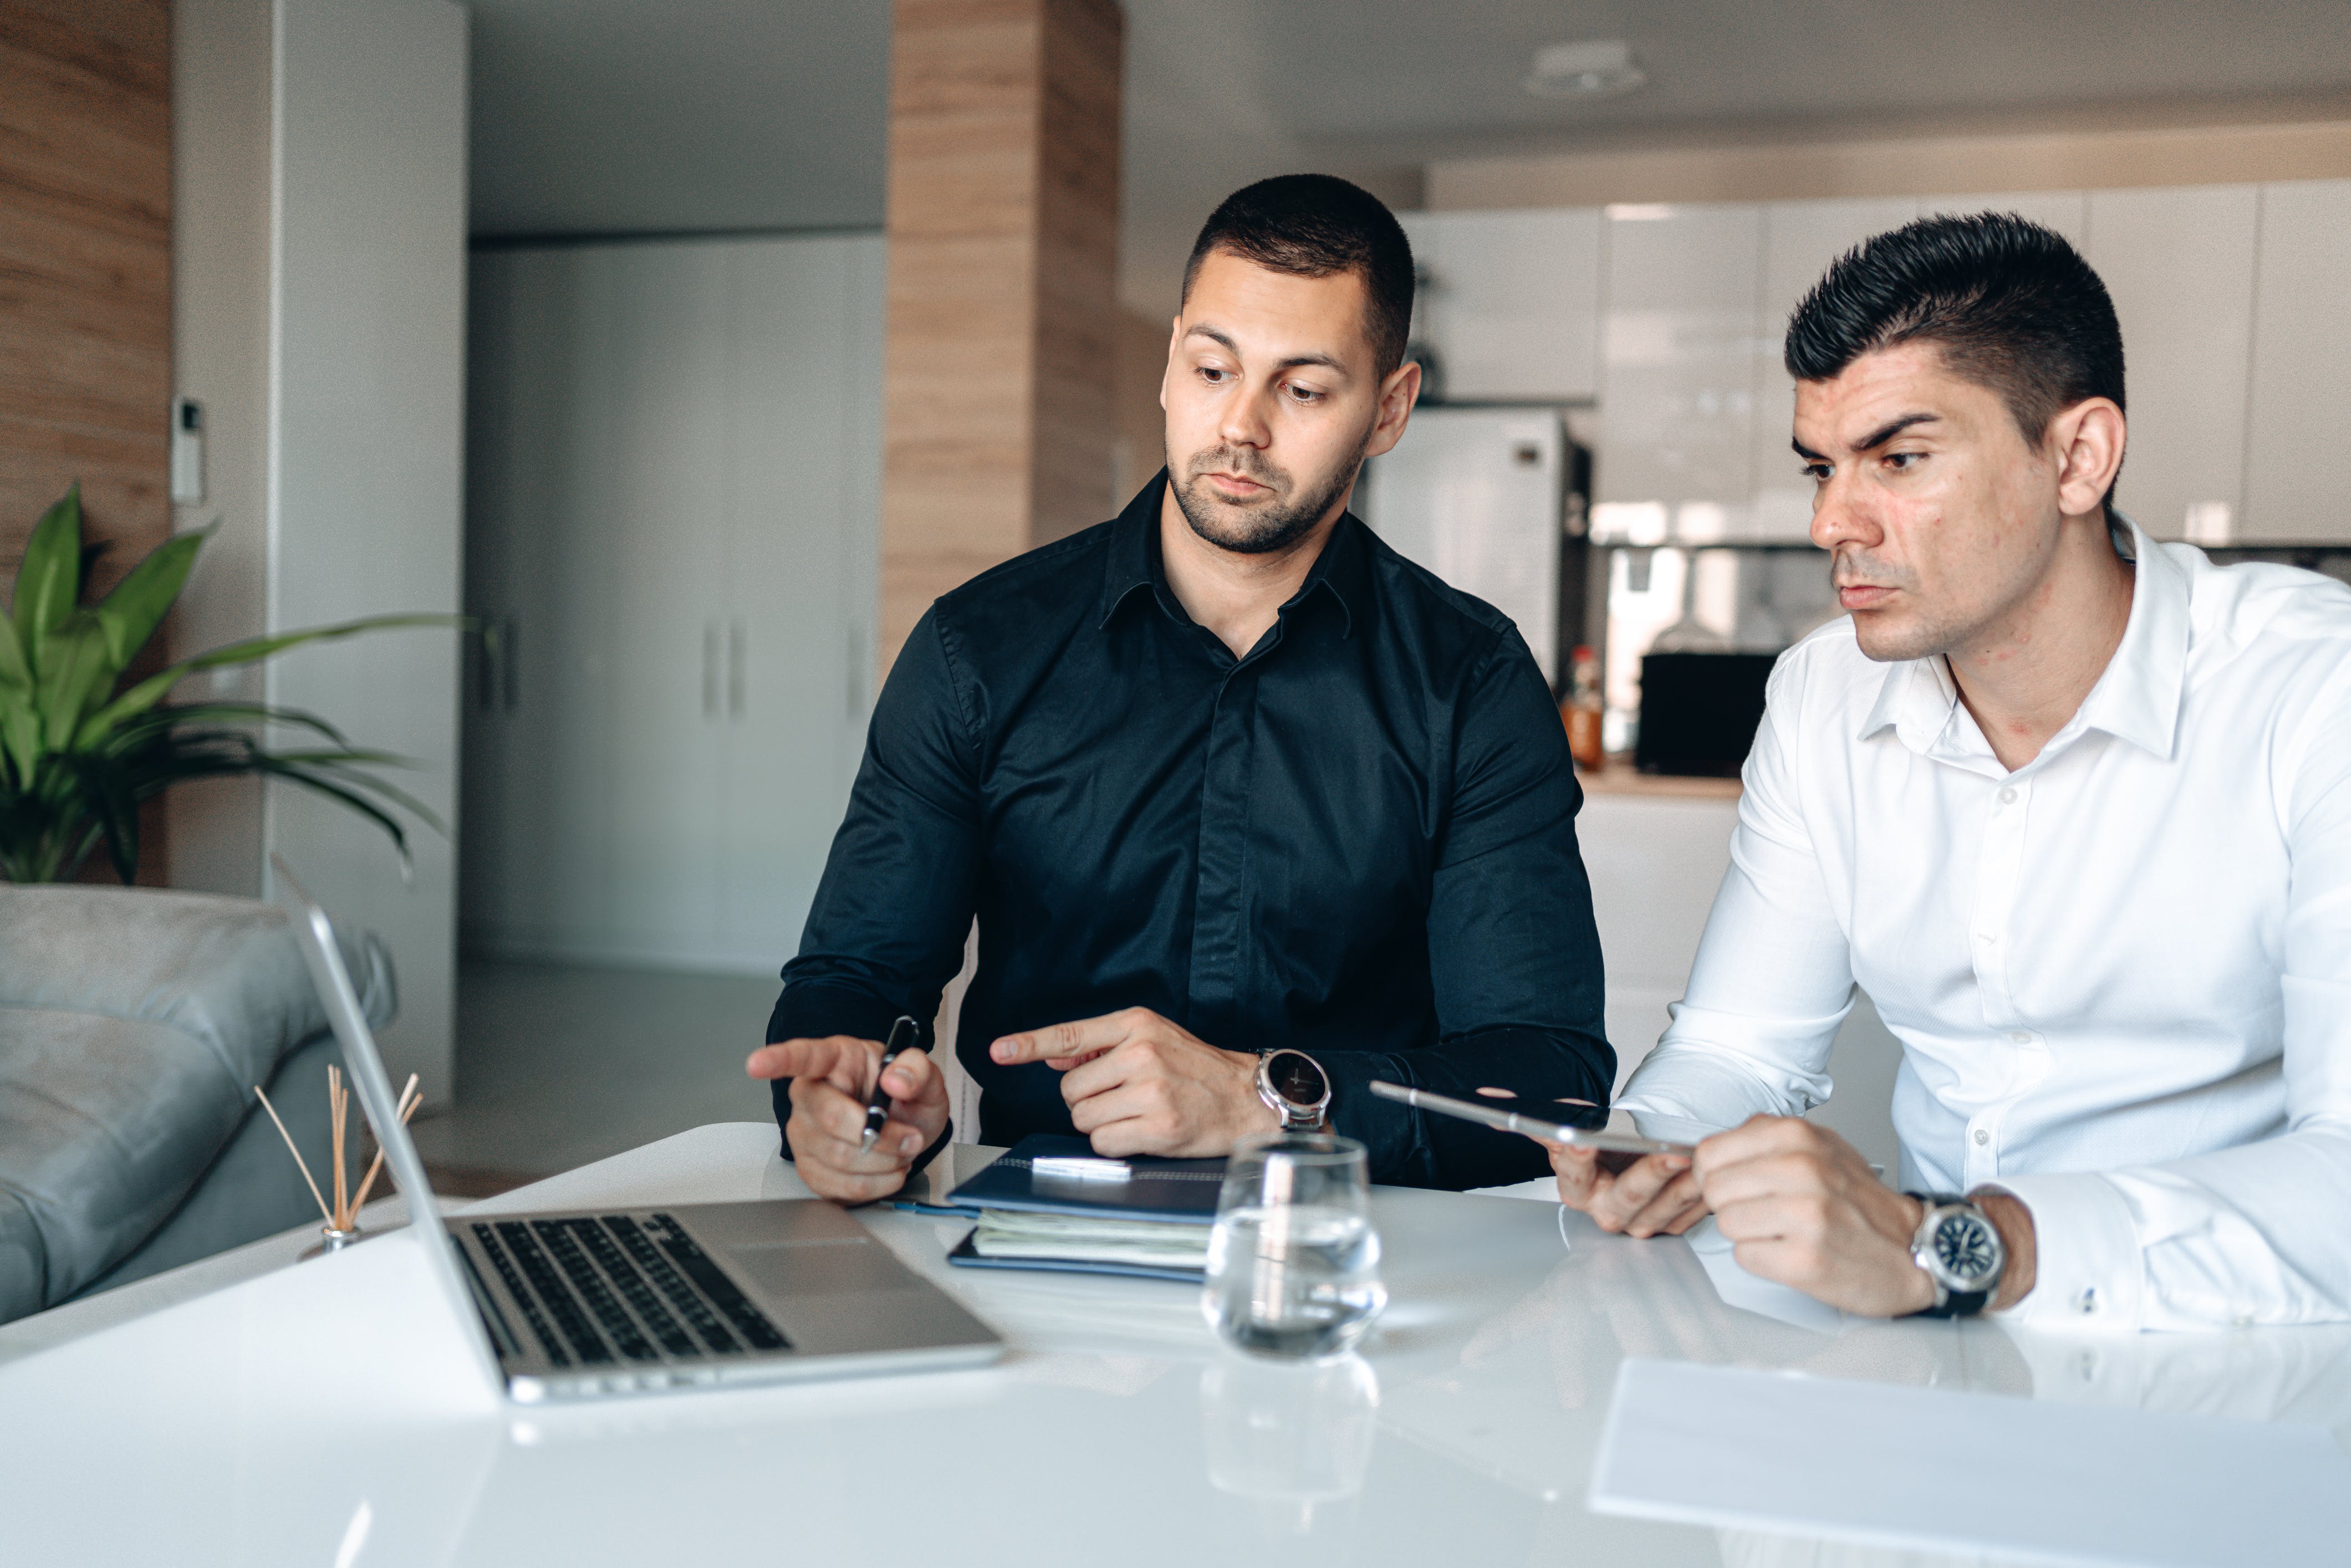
{"x":1290,"y":1444}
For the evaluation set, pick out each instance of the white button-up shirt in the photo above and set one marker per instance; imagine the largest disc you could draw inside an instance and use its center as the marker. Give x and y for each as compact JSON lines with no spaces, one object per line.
{"x":2121,"y":975}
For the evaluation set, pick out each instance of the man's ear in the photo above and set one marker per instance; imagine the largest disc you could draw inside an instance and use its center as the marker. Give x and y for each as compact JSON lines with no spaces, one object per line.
{"x":2087,"y":442}
{"x":1398,"y":393}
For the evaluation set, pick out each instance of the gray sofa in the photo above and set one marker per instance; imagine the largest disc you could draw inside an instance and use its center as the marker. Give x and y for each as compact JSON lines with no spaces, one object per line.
{"x":133,"y":1025}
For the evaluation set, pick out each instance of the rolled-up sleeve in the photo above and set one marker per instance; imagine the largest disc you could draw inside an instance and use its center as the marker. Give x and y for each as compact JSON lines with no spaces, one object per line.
{"x":1514,"y":954}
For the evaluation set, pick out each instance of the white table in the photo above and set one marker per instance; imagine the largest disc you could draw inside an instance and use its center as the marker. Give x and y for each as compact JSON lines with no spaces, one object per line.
{"x":318,"y":1414}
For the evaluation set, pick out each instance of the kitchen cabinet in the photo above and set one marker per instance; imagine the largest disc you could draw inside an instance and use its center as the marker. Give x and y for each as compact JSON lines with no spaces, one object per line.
{"x":2064,"y":213}
{"x":1681,"y":292}
{"x":1509,"y":302}
{"x":2180,"y":265}
{"x":2297,"y":464}
{"x":1800,"y":239}
{"x":673,"y":525}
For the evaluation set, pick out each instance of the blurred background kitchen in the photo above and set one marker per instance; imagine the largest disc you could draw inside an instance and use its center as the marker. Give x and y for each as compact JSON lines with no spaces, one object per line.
{"x":695,"y":347}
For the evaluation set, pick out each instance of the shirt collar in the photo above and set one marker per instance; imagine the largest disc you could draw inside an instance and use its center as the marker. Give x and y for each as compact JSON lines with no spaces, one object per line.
{"x":1343,"y":569}
{"x":2136,"y":698}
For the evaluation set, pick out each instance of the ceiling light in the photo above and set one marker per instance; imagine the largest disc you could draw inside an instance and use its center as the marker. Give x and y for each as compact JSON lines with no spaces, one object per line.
{"x":1601,"y":70}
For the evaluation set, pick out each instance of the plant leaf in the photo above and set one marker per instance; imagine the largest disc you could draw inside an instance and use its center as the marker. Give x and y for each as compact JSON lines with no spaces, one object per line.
{"x":13,"y":671}
{"x":311,"y":779}
{"x":141,"y":727}
{"x":48,"y":579}
{"x":155,"y":688}
{"x":140,"y":601}
{"x":74,"y":669}
{"x":106,"y":791}
{"x":20,"y":732}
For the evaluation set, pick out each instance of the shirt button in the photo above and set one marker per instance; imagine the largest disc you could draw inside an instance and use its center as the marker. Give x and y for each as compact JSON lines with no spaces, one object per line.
{"x":1986,"y":937}
{"x":2020,"y":1037}
{"x":2007,"y":796}
{"x":2088,"y":1302}
{"x":1982,"y":1137}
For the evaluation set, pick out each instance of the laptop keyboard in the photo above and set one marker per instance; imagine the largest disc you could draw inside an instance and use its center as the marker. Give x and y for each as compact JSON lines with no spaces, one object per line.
{"x":596,"y":1290}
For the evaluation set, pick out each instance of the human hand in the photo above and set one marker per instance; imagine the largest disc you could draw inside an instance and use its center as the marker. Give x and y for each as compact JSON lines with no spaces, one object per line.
{"x":1657,"y":1195}
{"x":1137,"y":1084}
{"x":1804,"y":1208}
{"x":830,"y":1079}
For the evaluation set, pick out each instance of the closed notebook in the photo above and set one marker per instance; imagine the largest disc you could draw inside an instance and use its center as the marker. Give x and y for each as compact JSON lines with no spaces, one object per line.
{"x":1051,"y":1204}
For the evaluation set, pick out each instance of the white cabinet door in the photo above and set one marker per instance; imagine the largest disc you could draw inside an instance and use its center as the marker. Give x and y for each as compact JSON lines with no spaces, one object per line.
{"x":1513,"y":302}
{"x":663,"y":654}
{"x":1675,"y":458}
{"x":535,"y":857}
{"x":1800,"y":240}
{"x":2180,"y":265}
{"x":805,"y":428}
{"x":2297,"y":463}
{"x":2064,"y":212}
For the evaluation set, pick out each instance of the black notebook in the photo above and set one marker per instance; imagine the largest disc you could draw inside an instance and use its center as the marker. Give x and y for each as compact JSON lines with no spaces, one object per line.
{"x":1075,"y":1180}
{"x":1053,"y":1204}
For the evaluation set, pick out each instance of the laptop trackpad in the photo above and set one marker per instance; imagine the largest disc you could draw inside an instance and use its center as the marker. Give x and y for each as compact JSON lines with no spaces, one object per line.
{"x":803,"y":1269}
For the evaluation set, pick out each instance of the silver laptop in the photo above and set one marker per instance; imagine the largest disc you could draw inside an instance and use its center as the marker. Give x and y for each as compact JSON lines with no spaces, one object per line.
{"x":584,"y":1304}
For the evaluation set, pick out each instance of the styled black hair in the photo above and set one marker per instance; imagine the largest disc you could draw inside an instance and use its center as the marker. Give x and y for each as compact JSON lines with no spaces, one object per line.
{"x":2013,"y":307}
{"x":1315,"y":226}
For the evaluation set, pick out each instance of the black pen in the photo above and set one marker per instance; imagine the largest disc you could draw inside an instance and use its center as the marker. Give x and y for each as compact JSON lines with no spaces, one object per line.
{"x":905,"y":1035}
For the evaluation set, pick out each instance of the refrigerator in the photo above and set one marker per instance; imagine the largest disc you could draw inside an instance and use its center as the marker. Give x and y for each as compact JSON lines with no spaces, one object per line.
{"x":1492,"y":500}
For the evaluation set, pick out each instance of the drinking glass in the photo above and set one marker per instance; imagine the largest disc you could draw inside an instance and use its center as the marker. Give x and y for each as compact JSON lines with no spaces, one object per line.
{"x":1293,"y":1261}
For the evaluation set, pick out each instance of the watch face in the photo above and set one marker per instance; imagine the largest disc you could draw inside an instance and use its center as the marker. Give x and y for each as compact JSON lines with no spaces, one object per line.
{"x":1296,"y":1077}
{"x":1966,"y":1247}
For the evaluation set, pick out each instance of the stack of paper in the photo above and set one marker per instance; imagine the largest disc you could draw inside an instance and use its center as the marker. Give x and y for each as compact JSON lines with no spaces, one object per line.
{"x":1082,"y":1239}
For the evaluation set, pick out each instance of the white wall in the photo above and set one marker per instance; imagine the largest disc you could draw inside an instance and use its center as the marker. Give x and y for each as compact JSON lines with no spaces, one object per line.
{"x":220,"y":323}
{"x":367,"y":392}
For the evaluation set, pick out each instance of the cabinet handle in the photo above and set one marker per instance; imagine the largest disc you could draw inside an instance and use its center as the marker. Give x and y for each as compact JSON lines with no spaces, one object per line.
{"x":488,"y":642}
{"x":736,"y":653}
{"x":710,"y":669}
{"x":510,"y":663}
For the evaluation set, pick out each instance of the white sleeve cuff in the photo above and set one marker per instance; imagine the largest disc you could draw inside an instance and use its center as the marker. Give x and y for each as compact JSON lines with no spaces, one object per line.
{"x":2089,"y":1271}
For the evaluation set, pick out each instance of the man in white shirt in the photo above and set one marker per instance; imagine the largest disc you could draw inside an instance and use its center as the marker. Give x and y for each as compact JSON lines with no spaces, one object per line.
{"x":2072,"y":806}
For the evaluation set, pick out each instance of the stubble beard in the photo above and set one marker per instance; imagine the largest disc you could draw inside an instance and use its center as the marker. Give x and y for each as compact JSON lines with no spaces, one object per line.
{"x":1917,"y":636}
{"x":1260,"y":527}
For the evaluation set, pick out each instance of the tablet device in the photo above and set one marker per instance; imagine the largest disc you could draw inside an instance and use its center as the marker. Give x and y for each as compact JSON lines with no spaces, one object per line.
{"x":1578,"y":1123}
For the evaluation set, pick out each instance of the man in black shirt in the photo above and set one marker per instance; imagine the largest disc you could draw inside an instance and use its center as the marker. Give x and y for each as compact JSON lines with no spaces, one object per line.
{"x":1222,"y":776}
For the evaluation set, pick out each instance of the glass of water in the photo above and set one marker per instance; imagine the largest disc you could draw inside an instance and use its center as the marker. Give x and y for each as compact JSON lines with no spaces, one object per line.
{"x":1293,"y":1261}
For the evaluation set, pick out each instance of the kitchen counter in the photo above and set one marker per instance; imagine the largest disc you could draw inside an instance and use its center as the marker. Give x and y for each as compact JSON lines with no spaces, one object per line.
{"x":1621,"y":778}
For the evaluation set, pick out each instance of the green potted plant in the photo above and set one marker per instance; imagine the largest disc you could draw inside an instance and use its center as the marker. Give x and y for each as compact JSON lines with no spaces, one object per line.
{"x":81,"y":749}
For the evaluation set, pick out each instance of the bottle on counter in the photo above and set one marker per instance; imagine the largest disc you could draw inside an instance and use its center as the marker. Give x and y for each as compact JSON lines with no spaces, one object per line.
{"x":1582,"y":709}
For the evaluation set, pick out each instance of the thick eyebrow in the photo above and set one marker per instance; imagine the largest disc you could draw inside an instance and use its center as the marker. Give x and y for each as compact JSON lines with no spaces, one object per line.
{"x":1877,"y":437}
{"x":1216,"y":336}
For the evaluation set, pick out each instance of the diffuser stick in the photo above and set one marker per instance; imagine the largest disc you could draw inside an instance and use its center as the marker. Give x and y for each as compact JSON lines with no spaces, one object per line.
{"x":299,"y":1163}
{"x":410,"y":1098}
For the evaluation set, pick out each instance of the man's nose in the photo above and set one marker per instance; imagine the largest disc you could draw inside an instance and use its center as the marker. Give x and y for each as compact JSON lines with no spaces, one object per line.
{"x":1839,"y":516}
{"x":1244,"y":422}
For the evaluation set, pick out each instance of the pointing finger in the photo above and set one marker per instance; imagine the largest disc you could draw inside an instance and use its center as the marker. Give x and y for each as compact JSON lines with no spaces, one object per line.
{"x":1062,"y":1040}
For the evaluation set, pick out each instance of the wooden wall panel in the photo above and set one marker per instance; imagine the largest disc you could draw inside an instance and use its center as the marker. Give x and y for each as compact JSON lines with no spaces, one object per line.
{"x":86,"y":285}
{"x":1003,"y":224}
{"x":86,"y":269}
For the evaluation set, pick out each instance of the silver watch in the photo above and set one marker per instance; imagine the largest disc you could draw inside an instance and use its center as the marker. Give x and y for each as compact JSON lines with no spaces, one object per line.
{"x":1959,"y":1249}
{"x":1295,"y":1086}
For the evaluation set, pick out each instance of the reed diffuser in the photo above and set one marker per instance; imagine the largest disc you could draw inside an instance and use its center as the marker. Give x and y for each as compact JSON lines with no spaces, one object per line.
{"x":342,"y":1218}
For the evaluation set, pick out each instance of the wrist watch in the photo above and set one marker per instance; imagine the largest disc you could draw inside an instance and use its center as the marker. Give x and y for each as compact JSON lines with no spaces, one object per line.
{"x":1958,"y":1250}
{"x":1295,"y":1086}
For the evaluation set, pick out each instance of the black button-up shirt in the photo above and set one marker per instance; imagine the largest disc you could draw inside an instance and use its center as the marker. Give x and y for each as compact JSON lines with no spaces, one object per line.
{"x":1358,"y":840}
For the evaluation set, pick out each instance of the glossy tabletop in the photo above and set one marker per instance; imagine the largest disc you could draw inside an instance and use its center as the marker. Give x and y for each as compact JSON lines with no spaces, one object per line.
{"x":324,"y":1414}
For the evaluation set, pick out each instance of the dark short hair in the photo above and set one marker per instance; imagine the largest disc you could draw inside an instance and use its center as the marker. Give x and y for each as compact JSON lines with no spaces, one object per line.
{"x":1317,"y":225}
{"x":2013,"y":307}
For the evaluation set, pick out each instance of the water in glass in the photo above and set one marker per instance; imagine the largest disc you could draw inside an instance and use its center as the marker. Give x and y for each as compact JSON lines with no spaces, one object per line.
{"x":1293,"y":1261}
